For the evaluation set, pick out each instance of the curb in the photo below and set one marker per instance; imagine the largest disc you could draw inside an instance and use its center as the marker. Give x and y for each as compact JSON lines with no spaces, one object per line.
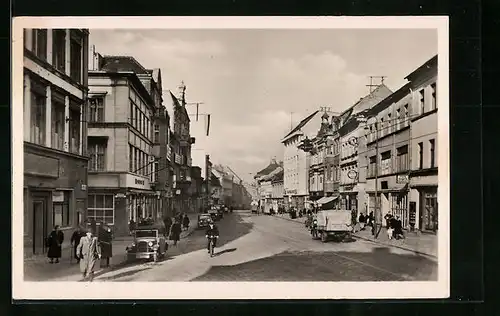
{"x":396,"y":246}
{"x":376,"y":242}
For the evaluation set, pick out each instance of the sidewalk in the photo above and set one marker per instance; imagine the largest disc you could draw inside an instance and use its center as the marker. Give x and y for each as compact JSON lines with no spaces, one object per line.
{"x":37,"y":268}
{"x":424,"y":244}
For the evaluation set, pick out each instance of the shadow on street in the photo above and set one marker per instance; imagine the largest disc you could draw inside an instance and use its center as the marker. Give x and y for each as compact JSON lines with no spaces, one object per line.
{"x":379,"y":265}
{"x":123,"y":274}
{"x":231,"y":227}
{"x":224,"y":251}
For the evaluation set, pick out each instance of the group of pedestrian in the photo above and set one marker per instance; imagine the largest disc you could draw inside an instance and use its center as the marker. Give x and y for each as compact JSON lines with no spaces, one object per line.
{"x":394,"y":226}
{"x":175,"y":226}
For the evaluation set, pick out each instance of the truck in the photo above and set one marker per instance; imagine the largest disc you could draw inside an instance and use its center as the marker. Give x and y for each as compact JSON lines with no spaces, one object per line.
{"x":332,"y":223}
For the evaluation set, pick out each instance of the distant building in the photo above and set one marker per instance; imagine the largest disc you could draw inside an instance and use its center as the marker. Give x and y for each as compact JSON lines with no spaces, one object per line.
{"x":264,"y":184}
{"x":55,"y":133}
{"x":277,"y":190}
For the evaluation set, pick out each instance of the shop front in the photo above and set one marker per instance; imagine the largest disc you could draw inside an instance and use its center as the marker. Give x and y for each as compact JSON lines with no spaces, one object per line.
{"x":54,"y":194}
{"x":424,"y":201}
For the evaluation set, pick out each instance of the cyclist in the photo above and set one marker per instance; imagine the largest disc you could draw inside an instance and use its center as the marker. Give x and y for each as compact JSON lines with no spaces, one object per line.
{"x":212,"y":230}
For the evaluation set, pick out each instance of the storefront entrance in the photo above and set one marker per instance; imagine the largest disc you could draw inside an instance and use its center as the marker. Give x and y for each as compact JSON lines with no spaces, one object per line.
{"x":429,"y":210}
{"x":40,"y":215}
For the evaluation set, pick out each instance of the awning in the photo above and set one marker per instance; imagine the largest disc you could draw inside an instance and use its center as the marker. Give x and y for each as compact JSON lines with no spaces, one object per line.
{"x":326,"y":199}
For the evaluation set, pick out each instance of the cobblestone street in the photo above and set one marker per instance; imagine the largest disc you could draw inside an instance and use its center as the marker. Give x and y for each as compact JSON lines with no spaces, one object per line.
{"x":266,"y":248}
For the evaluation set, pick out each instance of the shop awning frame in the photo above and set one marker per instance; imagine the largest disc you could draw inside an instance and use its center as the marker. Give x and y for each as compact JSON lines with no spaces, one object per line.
{"x":326,"y":199}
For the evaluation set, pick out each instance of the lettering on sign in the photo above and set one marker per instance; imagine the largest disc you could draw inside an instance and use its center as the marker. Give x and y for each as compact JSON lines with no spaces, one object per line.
{"x":402,"y":178}
{"x":140,"y":182}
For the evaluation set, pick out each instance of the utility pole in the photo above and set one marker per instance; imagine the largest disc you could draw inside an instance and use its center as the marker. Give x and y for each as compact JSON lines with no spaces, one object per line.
{"x":197,"y":107}
{"x":376,"y":230}
{"x":371,"y":85}
{"x":291,"y":122}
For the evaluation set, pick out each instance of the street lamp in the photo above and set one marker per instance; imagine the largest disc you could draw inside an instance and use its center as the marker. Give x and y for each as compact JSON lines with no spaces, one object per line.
{"x":377,"y":224}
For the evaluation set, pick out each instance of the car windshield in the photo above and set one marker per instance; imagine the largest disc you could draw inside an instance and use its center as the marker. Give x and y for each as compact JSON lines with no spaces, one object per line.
{"x":205,"y":217}
{"x":145,"y":233}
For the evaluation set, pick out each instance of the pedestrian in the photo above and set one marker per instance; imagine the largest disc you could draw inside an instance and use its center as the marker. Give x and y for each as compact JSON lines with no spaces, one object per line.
{"x":388,"y":217}
{"x":105,"y":239}
{"x":89,"y":251}
{"x":131,"y":226}
{"x":185,"y":222}
{"x":168,"y":223}
{"x":75,"y":240}
{"x":397,"y":229}
{"x":362,"y":221}
{"x":93,"y":224}
{"x":175,"y":232}
{"x":54,"y":242}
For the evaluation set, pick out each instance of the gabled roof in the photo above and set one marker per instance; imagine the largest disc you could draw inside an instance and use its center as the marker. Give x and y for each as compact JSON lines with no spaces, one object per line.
{"x":427,"y":65}
{"x":267,"y":170}
{"x":122,"y":63}
{"x":278,"y":177}
{"x":300,"y":125}
{"x":177,"y":103}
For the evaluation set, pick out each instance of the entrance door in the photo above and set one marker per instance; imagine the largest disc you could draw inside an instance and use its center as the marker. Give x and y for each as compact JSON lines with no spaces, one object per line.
{"x":430,"y":210}
{"x":39,"y":224}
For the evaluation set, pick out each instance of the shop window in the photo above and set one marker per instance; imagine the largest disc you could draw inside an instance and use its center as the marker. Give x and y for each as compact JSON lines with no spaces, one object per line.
{"x":430,"y":214}
{"x":39,"y":43}
{"x":101,"y":208}
{"x":38,"y":112}
{"x":96,"y":113}
{"x":97,"y":153}
{"x":58,"y":120}
{"x":59,"y":49}
{"x":76,"y":57}
{"x":60,"y":209}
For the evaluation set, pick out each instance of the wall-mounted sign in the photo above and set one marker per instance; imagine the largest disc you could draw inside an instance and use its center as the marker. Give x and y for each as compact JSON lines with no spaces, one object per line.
{"x":58,"y":196}
{"x":133,"y":181}
{"x":352,"y":174}
{"x":84,"y":187}
{"x":402,"y":178}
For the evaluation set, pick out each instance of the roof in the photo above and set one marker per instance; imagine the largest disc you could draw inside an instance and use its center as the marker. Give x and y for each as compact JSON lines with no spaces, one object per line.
{"x":271,"y":175}
{"x":278,"y":177}
{"x":214,"y":181}
{"x":122,"y":63}
{"x":427,"y":65}
{"x":267,"y":170}
{"x":301,"y":124}
{"x":177,"y":103}
{"x":393,"y":97}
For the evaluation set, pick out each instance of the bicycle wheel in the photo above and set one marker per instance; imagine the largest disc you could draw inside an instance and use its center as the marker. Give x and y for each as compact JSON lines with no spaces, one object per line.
{"x":211,"y":248}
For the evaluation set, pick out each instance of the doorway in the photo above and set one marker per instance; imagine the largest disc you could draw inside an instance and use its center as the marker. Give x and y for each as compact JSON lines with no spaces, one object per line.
{"x":39,"y":207}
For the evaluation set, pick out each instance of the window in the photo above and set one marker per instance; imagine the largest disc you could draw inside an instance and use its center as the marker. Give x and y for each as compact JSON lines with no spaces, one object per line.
{"x":389,"y":124}
{"x":434,"y":100}
{"x":385,"y":163}
{"x":131,"y":161}
{"x":430,"y":213}
{"x":402,"y":158}
{"x":372,"y":166}
{"x":58,"y":120}
{"x":157,"y":134}
{"x":96,"y":109}
{"x":74,"y":127}
{"x":432,"y":153}
{"x":101,"y":208}
{"x":60,"y":208}
{"x":420,"y":155}
{"x":131,"y":113}
{"x":39,"y":43}
{"x":422,"y":101}
{"x":97,"y":153}
{"x":59,"y":49}
{"x":156,"y":169}
{"x":398,"y":118}
{"x":406,"y":117}
{"x":76,"y":57}
{"x":38,"y":104}
{"x":382,"y":127}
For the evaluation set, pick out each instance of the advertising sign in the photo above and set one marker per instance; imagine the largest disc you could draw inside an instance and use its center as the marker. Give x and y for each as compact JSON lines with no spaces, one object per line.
{"x":132,"y":181}
{"x":402,"y":178}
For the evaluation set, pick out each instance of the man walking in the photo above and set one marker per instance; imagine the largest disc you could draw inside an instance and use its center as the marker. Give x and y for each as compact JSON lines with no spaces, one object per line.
{"x":89,"y":251}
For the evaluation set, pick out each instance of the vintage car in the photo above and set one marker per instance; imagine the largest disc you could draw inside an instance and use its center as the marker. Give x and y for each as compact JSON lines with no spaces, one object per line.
{"x":149,"y":243}
{"x":203,"y":220}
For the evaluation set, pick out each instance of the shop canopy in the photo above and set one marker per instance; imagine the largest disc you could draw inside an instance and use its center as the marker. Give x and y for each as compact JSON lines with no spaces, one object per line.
{"x":326,"y":199}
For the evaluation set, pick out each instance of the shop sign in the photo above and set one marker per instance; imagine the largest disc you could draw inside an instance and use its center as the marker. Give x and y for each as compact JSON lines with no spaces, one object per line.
{"x":402,"y":178}
{"x":84,"y":187}
{"x":132,"y":181}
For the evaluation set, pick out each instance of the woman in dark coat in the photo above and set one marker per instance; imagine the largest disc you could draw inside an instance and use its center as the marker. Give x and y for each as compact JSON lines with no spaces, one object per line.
{"x":175,"y":232}
{"x":185,"y":222}
{"x":105,"y":243}
{"x":54,"y":242}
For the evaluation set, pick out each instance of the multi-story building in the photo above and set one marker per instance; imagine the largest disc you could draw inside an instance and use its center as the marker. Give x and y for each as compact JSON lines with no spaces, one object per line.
{"x":278,"y":190}
{"x":55,"y":132}
{"x":226,"y":181}
{"x":295,"y":162}
{"x":263,"y":183}
{"x":120,"y":143}
{"x":180,"y":143}
{"x":387,"y":132}
{"x":215,"y":190}
{"x":197,"y":189}
{"x":323,"y":158}
{"x":423,"y":206}
{"x":352,"y":175}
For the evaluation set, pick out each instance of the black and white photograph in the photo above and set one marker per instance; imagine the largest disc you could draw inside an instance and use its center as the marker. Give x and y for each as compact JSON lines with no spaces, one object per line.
{"x":230,"y":157}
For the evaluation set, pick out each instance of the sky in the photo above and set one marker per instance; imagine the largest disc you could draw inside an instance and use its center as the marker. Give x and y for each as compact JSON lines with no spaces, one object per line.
{"x":256,"y":84}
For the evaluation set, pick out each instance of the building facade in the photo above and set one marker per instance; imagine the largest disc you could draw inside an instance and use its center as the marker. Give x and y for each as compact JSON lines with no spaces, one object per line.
{"x":180,"y":143}
{"x":277,"y":191}
{"x":120,"y":142}
{"x":55,"y":132}
{"x":423,"y":206}
{"x":352,"y":173}
{"x":387,"y":133}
